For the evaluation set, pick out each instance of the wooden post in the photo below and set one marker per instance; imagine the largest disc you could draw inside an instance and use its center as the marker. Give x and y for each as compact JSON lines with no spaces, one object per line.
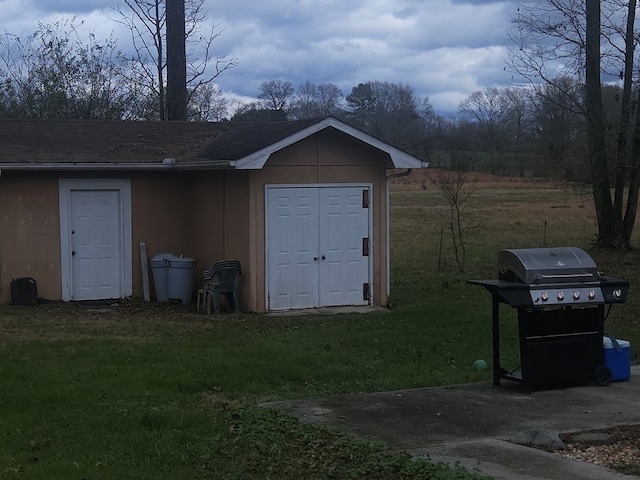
{"x":144,"y":264}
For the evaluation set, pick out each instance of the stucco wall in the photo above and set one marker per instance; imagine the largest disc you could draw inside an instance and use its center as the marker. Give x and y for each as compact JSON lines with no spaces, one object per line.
{"x":162,"y":205}
{"x":220,"y":223}
{"x":171,"y":212}
{"x":29,"y":233}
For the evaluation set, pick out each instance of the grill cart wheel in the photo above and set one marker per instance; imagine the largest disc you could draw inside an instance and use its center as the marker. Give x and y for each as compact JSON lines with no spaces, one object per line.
{"x":603,"y":375}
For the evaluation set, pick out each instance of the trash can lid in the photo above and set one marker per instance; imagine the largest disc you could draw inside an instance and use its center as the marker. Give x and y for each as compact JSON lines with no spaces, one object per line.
{"x":182,"y":262}
{"x":162,"y":256}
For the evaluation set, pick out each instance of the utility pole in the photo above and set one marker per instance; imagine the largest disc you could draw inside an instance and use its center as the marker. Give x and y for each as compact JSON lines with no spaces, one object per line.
{"x":176,"y":61}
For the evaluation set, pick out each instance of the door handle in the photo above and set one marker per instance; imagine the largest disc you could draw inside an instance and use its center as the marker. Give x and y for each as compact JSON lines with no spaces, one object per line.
{"x":73,"y":252}
{"x":323,"y":257}
{"x":315,"y":259}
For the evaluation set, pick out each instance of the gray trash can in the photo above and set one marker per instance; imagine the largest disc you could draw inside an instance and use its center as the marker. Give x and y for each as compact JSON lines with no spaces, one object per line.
{"x":160,"y":270}
{"x":180,"y":279}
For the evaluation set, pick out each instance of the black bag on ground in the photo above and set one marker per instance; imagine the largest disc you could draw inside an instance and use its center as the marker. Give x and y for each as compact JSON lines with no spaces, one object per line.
{"x":24,"y":291}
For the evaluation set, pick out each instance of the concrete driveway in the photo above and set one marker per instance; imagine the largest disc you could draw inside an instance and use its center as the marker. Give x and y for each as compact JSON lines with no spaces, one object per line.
{"x":473,"y":424}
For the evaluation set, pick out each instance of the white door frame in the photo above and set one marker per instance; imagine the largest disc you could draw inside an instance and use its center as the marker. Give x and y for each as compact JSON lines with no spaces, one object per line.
{"x":123,"y":187}
{"x":366,"y":186}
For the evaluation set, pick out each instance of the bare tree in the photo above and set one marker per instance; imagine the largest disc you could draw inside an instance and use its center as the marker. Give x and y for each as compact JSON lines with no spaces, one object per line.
{"x":489,"y":111}
{"x":329,"y":96}
{"x":587,"y":41}
{"x":305,"y":104}
{"x":146,"y":20}
{"x":255,"y":112}
{"x":454,"y":188}
{"x":208,"y":104}
{"x":276,"y":94}
{"x":556,"y":123}
{"x":54,"y":73}
{"x":313,"y":100}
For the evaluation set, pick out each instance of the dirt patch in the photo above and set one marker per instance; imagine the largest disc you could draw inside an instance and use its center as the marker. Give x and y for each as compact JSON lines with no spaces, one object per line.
{"x":125,"y":319}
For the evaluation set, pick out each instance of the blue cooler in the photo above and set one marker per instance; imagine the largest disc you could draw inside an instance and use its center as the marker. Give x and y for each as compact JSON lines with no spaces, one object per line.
{"x":617,"y":359}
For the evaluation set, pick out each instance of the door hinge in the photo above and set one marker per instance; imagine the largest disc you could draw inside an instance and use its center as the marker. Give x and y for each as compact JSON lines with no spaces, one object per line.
{"x":366,"y":292}
{"x":365,"y":198}
{"x":365,"y":247}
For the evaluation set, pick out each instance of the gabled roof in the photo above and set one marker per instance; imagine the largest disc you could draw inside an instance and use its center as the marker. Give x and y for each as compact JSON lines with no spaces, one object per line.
{"x":120,"y":145}
{"x":281,"y":136}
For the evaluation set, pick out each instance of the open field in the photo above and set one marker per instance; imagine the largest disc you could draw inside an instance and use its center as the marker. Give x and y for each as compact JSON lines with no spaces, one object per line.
{"x":161,"y":392}
{"x":501,"y":213}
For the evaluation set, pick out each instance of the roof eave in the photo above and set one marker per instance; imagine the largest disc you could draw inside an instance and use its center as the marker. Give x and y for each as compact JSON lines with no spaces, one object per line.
{"x":69,"y":167}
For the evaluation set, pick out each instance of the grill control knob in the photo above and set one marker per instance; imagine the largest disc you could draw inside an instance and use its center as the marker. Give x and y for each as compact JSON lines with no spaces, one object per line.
{"x":617,"y":294}
{"x":544,"y":296}
{"x":591,"y":294}
{"x":560,"y":295}
{"x":576,"y":295}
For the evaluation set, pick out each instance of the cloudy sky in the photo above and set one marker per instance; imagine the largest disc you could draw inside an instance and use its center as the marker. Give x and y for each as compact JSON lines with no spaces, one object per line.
{"x":444,"y":49}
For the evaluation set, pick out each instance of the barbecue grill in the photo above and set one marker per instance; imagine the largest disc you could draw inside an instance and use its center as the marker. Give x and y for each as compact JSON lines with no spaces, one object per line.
{"x":560,"y":299}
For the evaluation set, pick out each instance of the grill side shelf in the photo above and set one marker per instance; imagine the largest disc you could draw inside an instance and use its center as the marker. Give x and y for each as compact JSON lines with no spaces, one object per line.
{"x":512,"y":293}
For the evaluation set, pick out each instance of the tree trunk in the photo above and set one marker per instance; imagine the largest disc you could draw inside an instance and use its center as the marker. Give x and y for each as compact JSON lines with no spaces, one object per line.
{"x":622,"y":156}
{"x":634,"y":181}
{"x":176,"y":61}
{"x":609,"y":230}
{"x":631,"y":165}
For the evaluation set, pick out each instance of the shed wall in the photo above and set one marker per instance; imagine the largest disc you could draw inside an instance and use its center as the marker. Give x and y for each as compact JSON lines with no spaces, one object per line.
{"x":327,"y":158}
{"x":220,"y":223}
{"x":209,"y":216}
{"x":29,"y":233}
{"x":171,"y":212}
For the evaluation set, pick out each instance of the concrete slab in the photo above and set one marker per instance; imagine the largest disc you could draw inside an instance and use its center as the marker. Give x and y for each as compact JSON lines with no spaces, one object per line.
{"x":328,"y":311}
{"x":473,"y":424}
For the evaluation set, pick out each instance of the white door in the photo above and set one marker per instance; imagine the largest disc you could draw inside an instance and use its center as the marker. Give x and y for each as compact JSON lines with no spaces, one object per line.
{"x":343,"y":247}
{"x":96,"y":251}
{"x":95,"y":238}
{"x":317,"y":247}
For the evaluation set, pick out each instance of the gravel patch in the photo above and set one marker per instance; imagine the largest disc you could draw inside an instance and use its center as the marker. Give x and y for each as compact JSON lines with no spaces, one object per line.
{"x":613,"y":448}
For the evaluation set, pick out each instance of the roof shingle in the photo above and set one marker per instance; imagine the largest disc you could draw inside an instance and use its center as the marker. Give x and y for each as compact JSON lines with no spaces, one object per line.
{"x":41,"y":142}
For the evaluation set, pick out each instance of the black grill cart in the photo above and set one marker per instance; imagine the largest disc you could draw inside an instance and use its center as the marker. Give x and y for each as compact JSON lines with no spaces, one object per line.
{"x":560,"y":299}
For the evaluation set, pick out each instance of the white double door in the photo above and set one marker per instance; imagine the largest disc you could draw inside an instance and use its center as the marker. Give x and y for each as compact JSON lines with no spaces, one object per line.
{"x":318,"y":249}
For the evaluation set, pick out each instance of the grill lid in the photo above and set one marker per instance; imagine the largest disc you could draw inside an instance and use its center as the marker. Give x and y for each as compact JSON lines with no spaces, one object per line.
{"x":546,"y":265}
{"x":552,"y":277}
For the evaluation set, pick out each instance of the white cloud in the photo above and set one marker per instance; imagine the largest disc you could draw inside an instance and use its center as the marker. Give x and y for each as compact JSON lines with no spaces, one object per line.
{"x":444,"y":49}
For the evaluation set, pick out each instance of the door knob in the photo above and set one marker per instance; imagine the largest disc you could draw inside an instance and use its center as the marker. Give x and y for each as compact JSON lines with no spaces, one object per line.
{"x":73,"y":252}
{"x":315,"y":259}
{"x":323,"y":257}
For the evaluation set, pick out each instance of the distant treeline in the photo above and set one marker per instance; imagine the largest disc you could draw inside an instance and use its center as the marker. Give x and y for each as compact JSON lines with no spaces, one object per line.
{"x":520,"y":131}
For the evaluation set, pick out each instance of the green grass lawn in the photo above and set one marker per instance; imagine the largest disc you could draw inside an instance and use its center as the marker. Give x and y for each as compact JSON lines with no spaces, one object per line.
{"x":173,"y":395}
{"x":159,"y":392}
